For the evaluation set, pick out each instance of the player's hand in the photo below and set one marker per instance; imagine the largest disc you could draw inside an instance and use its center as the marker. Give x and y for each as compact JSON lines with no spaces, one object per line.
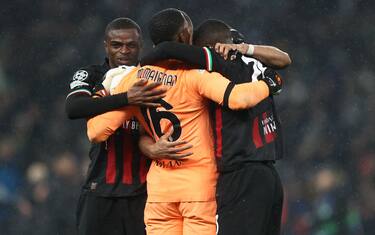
{"x":146,"y":95}
{"x":165,"y":149}
{"x":229,"y":50}
{"x":273,"y":81}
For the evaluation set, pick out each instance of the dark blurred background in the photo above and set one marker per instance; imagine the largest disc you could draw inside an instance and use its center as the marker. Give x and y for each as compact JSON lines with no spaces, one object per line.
{"x":327,"y":105}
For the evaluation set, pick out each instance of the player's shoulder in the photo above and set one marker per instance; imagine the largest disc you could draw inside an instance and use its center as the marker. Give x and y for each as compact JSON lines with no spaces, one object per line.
{"x":90,"y":72}
{"x":199,"y":71}
{"x":250,"y":61}
{"x":194,"y":74}
{"x":203,"y":73}
{"x":92,"y":67}
{"x":122,"y":70}
{"x":116,"y":75}
{"x":85,"y":78}
{"x":254,"y":63}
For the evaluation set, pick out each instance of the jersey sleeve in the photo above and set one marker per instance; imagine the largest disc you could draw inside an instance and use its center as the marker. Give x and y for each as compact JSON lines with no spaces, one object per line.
{"x":219,"y":89}
{"x":113,"y":77}
{"x":80,"y":104}
{"x":209,"y":85}
{"x":246,"y":95}
{"x":258,"y":67}
{"x":100,"y":127}
{"x":199,"y":57}
{"x":83,"y":81}
{"x":214,"y":61}
{"x":86,"y":106}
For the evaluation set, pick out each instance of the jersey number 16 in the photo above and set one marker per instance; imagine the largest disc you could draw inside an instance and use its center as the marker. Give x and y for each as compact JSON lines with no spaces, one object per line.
{"x":157,"y":115}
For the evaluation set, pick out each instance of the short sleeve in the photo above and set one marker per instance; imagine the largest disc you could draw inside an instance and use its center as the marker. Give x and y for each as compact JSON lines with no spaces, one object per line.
{"x":210,"y":85}
{"x":124,"y":81}
{"x":100,"y":127}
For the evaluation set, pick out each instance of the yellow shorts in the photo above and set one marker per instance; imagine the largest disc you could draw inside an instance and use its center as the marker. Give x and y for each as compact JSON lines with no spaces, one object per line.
{"x":180,"y":218}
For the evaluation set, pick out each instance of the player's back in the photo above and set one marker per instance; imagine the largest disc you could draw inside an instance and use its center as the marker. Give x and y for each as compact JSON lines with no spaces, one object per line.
{"x":186,"y":111}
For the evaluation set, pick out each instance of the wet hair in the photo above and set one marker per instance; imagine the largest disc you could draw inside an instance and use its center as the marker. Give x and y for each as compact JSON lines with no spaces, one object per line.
{"x":122,"y":23}
{"x":166,"y":24}
{"x":211,"y":32}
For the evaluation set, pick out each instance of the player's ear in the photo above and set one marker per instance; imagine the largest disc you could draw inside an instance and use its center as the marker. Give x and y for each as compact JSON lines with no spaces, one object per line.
{"x":106,"y":46}
{"x":184,"y":36}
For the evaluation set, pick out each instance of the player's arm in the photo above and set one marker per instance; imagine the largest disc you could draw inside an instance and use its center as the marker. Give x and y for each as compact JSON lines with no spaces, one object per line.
{"x":84,"y":105}
{"x":163,"y":148}
{"x":199,"y":57}
{"x":100,"y":127}
{"x":241,"y":96}
{"x":79,"y":102}
{"x":269,"y":55}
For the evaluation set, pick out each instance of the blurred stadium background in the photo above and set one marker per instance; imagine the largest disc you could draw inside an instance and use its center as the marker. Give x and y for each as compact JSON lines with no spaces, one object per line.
{"x":327,"y":105}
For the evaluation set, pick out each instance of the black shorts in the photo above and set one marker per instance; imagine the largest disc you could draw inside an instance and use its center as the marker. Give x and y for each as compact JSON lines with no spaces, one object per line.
{"x":111,"y":215}
{"x":250,"y":200}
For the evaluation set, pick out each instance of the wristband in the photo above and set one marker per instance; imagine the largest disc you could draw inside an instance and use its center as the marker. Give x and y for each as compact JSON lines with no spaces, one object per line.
{"x":250,"y":49}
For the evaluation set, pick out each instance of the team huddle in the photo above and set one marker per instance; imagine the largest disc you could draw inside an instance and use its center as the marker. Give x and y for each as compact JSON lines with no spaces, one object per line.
{"x":184,"y":139}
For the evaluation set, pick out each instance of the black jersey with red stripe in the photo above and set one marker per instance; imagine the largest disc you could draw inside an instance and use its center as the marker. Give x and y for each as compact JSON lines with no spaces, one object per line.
{"x":117,"y":166}
{"x":247,"y":135}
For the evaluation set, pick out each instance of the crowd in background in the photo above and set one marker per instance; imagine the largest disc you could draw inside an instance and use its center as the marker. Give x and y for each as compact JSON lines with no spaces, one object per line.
{"x":326,"y":107}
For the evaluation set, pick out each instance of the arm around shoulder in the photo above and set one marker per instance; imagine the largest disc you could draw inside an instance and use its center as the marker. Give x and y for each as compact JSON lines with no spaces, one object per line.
{"x":246,"y":95}
{"x":271,"y":56}
{"x":100,"y":127}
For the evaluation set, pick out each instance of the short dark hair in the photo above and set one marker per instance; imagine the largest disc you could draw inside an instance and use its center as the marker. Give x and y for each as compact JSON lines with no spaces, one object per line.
{"x":211,"y":32}
{"x":122,"y":23}
{"x":165,"y":25}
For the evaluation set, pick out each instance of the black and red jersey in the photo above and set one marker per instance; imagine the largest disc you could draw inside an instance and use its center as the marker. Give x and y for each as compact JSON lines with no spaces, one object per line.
{"x":117,"y":166}
{"x":85,"y":79}
{"x":247,"y":135}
